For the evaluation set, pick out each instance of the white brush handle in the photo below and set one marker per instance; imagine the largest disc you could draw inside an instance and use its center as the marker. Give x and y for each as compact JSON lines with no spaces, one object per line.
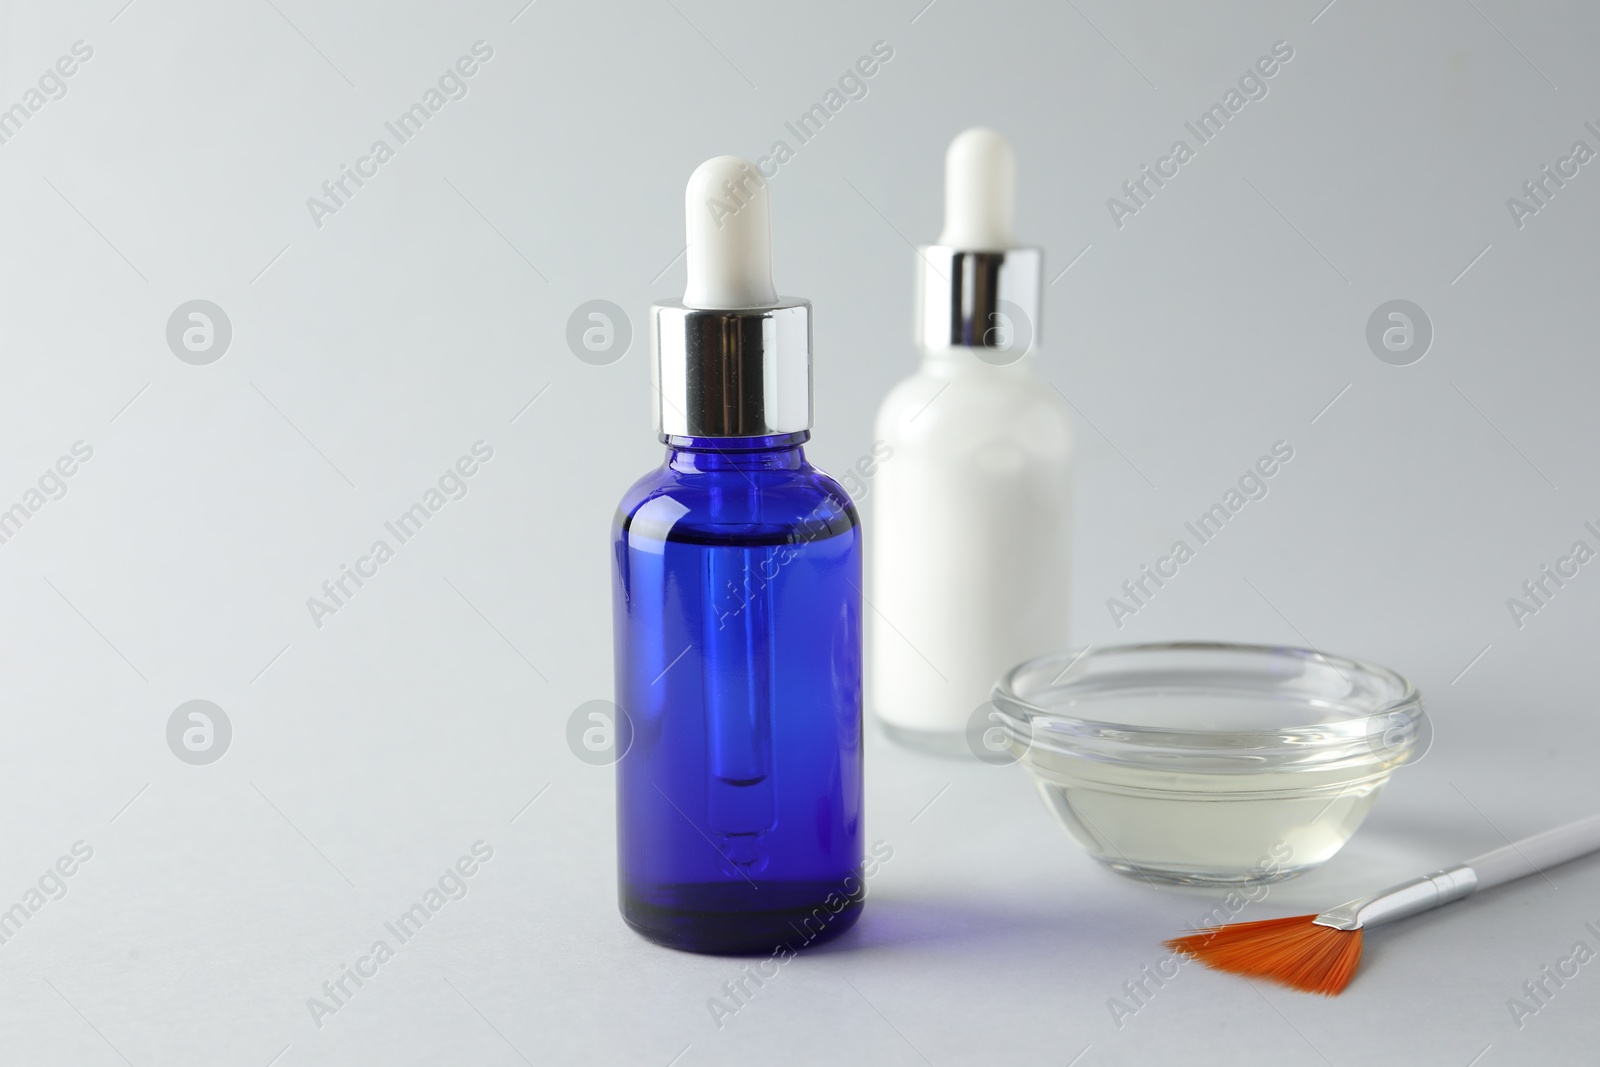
{"x":1533,"y":854}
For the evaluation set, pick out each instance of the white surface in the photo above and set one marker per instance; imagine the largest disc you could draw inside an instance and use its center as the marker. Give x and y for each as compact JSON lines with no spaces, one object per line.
{"x":728,"y":223}
{"x":980,"y":191}
{"x":424,"y":314}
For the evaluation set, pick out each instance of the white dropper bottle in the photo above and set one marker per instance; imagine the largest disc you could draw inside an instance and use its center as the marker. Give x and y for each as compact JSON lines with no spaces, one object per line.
{"x":970,"y":521}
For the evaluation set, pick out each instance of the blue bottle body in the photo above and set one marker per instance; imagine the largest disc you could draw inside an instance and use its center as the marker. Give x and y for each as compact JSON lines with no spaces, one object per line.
{"x":736,"y":579}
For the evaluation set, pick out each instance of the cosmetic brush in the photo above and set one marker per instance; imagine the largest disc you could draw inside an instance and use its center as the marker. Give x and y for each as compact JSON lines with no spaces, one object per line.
{"x":1319,"y":953}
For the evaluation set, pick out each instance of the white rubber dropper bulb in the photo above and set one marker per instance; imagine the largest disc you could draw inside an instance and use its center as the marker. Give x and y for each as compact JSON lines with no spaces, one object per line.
{"x":728,"y":222}
{"x":980,"y":192}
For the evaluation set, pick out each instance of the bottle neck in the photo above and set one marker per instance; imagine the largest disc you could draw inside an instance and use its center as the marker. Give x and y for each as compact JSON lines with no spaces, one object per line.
{"x":960,"y":359}
{"x":703,"y":454}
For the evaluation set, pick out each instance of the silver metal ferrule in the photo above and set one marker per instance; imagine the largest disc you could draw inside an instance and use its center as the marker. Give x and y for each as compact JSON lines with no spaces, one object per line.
{"x":744,"y":372}
{"x":978,"y":299}
{"x":1406,"y":899}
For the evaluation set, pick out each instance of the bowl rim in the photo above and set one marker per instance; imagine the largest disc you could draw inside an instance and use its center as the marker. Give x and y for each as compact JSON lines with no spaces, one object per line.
{"x":1019,"y":715}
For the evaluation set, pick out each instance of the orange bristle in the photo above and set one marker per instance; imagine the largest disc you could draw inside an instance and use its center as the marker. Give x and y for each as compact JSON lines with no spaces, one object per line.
{"x":1294,"y":951}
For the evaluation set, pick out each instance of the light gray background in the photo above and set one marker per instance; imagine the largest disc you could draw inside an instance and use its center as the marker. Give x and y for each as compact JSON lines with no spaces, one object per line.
{"x":369,"y":354}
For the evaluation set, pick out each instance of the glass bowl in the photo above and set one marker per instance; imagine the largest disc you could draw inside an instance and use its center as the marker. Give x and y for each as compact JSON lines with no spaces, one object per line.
{"x":1209,"y":764}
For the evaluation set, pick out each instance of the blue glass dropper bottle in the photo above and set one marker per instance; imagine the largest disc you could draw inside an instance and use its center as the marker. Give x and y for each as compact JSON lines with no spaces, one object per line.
{"x":737,"y":573}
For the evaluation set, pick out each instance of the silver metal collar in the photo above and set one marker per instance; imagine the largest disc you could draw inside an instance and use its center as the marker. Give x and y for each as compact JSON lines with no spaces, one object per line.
{"x":981,"y":300}
{"x":1403,"y":900}
{"x":744,"y":372}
